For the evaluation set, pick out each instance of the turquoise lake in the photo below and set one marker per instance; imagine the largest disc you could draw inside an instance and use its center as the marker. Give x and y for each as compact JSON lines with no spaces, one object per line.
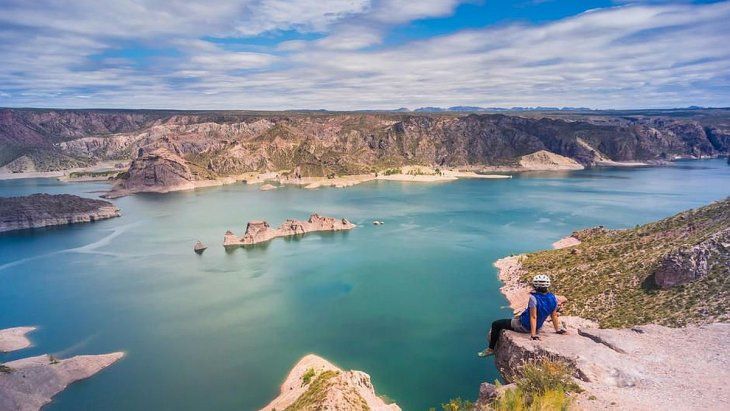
{"x":408,"y":302}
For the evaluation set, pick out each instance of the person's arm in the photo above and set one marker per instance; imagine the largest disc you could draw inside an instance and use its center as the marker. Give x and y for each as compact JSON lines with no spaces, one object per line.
{"x":533,"y":322}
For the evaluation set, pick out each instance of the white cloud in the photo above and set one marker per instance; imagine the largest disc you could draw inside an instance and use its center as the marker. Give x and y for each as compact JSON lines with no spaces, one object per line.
{"x":629,"y":56}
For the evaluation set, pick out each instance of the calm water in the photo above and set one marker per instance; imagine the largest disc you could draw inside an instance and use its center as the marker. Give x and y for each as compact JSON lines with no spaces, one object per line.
{"x":408,"y":302}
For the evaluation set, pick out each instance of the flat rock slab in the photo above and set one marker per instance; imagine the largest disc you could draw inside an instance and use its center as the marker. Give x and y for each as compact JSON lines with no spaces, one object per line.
{"x":34,"y":381}
{"x":642,"y":368}
{"x":12,"y":339}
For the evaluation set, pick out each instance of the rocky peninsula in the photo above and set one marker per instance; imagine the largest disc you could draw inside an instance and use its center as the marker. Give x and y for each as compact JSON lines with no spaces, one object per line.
{"x":261,"y":231}
{"x":29,"y":383}
{"x":672,"y":272}
{"x":12,"y":339}
{"x":43,"y":210}
{"x":316,"y":384}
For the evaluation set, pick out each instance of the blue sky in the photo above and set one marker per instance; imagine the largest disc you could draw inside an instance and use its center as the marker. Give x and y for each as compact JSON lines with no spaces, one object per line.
{"x":363,"y":54}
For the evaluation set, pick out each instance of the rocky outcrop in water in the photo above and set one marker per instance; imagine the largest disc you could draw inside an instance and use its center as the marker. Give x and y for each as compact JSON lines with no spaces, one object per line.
{"x":646,"y":367}
{"x":29,"y":383}
{"x":261,"y":231}
{"x":316,"y":384}
{"x":43,"y":210}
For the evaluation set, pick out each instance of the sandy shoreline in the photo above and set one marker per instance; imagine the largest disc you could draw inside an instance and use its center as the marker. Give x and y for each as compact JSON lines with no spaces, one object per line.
{"x":64,"y":175}
{"x":510,"y":271}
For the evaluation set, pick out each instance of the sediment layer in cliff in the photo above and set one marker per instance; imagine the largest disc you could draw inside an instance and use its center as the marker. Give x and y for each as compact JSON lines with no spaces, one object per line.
{"x":43,"y":210}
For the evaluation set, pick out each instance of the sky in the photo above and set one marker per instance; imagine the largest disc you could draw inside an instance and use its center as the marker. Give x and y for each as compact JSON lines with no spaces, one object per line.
{"x":363,"y":54}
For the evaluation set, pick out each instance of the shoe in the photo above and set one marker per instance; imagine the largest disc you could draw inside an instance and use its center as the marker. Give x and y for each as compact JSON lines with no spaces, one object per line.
{"x":486,"y":353}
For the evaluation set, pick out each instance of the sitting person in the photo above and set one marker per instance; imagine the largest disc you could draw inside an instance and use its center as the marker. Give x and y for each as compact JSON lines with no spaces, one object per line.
{"x":542,"y":304}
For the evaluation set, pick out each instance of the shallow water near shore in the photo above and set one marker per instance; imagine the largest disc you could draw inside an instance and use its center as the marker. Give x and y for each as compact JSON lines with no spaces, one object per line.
{"x":408,"y":302}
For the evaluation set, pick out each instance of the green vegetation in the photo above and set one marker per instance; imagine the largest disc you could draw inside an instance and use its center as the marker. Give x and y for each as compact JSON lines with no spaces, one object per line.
{"x":5,"y":369}
{"x":609,"y":276}
{"x":52,"y":360}
{"x":307,"y":376}
{"x":540,"y":385}
{"x":392,"y":171}
{"x":94,"y":174}
{"x":317,"y":393}
{"x":458,"y":404}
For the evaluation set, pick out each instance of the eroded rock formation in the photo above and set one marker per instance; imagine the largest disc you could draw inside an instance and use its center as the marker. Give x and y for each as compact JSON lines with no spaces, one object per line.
{"x":316,"y":384}
{"x":691,"y":263}
{"x":42,"y":210}
{"x":261,"y":231}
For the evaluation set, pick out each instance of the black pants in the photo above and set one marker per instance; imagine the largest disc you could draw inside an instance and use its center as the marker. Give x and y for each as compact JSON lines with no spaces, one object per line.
{"x":497,"y":327}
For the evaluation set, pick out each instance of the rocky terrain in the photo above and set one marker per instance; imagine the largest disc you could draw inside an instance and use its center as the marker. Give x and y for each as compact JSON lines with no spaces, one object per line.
{"x":545,"y":160}
{"x":172,"y":149}
{"x":43,"y":210}
{"x":260,"y":231}
{"x":316,"y":384}
{"x":673,"y":272}
{"x":662,"y":272}
{"x":29,"y":383}
{"x":645,"y":367}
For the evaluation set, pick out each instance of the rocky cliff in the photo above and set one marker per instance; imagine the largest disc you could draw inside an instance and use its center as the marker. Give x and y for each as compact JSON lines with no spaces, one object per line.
{"x":316,"y":384}
{"x":673,"y":272}
{"x":646,"y":367}
{"x":42,"y":210}
{"x":216,"y":144}
{"x":260,"y":231}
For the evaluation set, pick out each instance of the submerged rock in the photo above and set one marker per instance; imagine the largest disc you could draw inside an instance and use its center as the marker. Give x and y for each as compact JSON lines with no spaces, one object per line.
{"x":316,"y":384}
{"x":267,"y":187}
{"x":261,"y":231}
{"x":43,"y":210}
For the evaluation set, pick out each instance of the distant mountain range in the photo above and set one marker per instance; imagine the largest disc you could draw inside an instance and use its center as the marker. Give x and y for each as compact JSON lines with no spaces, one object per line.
{"x":203,"y":145}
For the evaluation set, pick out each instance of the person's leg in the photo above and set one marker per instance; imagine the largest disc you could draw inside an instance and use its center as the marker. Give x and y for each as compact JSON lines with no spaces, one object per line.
{"x":497,"y":327}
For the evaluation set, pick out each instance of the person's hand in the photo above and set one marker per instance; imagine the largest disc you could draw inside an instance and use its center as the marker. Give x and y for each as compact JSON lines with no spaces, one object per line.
{"x":561,"y":331}
{"x":535,"y":337}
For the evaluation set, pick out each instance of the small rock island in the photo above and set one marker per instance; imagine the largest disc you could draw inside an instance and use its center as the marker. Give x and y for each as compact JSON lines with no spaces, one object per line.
{"x":43,"y":210}
{"x":261,"y":231}
{"x":30,"y":383}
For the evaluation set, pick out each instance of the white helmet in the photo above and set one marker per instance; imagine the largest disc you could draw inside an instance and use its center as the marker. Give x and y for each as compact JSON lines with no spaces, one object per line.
{"x":541,"y":280}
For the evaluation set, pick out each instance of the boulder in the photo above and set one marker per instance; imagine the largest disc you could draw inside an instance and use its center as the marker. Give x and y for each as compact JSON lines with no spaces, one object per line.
{"x":691,"y":263}
{"x":199,"y":247}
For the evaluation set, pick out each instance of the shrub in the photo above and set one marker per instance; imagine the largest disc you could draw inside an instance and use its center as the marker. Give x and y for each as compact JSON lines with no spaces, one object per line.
{"x":542,"y":385}
{"x":307,"y":376}
{"x":5,"y":369}
{"x":457,"y":404}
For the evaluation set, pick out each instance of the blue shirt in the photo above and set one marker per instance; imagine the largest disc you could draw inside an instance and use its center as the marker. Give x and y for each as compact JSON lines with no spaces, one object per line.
{"x":545,"y":303}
